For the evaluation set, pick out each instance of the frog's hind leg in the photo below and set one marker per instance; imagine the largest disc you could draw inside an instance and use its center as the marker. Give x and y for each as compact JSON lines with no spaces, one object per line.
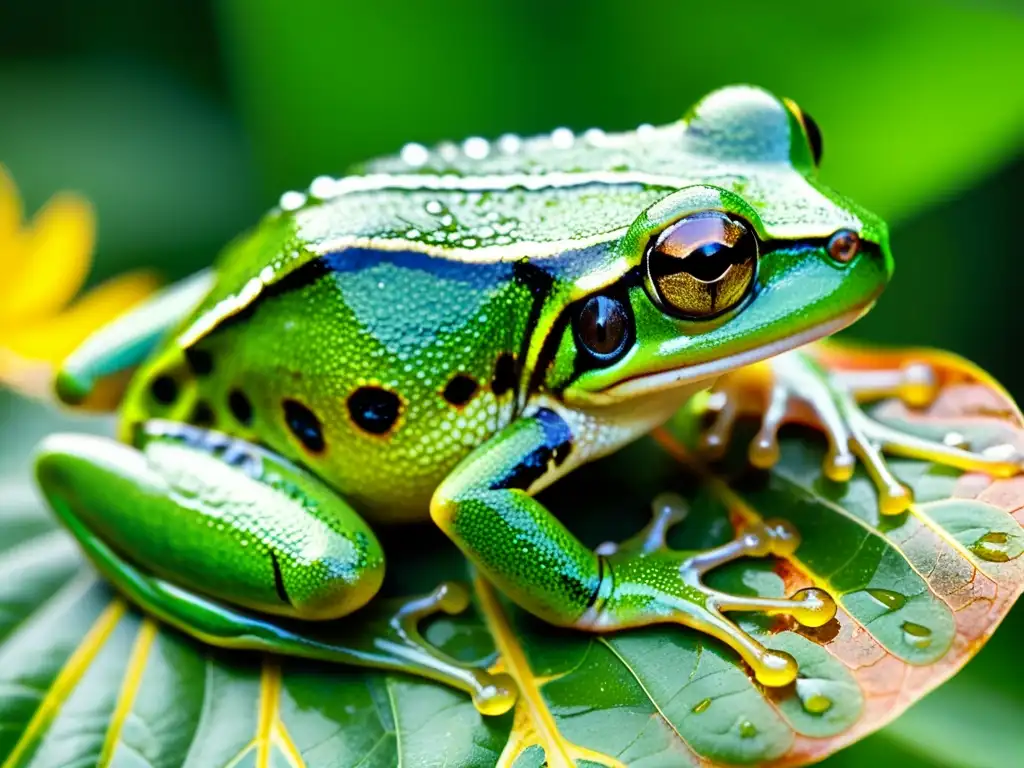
{"x":128,"y":340}
{"x":486,"y":506}
{"x":212,"y":534}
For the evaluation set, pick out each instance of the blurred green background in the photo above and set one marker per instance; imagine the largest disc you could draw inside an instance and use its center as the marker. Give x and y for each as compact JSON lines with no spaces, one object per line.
{"x":183,"y":120}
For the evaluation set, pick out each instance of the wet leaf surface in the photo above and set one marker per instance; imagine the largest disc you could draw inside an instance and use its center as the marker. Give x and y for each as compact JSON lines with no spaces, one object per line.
{"x":85,"y":679}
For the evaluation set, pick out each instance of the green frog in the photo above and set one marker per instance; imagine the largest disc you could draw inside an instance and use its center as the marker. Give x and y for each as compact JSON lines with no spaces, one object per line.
{"x":443,"y":333}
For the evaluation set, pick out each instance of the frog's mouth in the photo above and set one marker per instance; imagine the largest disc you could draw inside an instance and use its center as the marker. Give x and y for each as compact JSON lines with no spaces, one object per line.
{"x":710,"y":370}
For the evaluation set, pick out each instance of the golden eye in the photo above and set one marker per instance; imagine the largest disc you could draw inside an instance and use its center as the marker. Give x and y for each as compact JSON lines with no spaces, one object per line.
{"x":701,"y":265}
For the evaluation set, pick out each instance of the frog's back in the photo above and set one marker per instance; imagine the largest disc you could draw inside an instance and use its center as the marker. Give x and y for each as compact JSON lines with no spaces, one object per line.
{"x":379,"y":370}
{"x":377,"y":327}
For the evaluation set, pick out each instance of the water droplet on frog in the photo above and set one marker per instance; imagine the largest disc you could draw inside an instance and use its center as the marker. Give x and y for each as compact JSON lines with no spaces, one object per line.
{"x":562,"y":138}
{"x":448,"y":151}
{"x":509,"y":143}
{"x":447,"y":220}
{"x":292,"y":201}
{"x":414,"y":154}
{"x":892,"y":601}
{"x":476,"y":148}
{"x":322,"y":187}
{"x":434,"y":208}
{"x":748,"y":730}
{"x":412,"y":234}
{"x":594,"y":135}
{"x":916,"y":635}
{"x":701,"y":706}
{"x":469,"y":242}
{"x":644,"y":130}
{"x":993,"y":546}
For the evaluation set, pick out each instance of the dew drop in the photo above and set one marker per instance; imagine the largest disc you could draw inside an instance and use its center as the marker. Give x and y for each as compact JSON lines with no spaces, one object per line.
{"x":813,"y":700}
{"x":476,"y":148}
{"x":817,"y":704}
{"x":644,"y":130}
{"x":748,"y":730}
{"x":292,"y":201}
{"x":414,"y":154}
{"x":593,"y":135}
{"x":434,"y":208}
{"x":993,"y":546}
{"x":562,"y":138}
{"x":892,"y":601}
{"x":322,"y":187}
{"x":916,"y":635}
{"x":701,"y":706}
{"x":448,"y":151}
{"x":509,"y":144}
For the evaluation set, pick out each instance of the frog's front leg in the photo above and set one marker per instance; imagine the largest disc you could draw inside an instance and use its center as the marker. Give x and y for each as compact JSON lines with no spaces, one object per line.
{"x":487,"y":508}
{"x":196,"y":528}
{"x":795,"y":388}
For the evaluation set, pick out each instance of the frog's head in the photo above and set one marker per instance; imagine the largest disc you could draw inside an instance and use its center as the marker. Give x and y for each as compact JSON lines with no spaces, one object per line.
{"x":753,"y":259}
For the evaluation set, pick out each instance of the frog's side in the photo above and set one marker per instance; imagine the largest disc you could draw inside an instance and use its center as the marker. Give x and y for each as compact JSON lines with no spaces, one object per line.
{"x":446,"y":333}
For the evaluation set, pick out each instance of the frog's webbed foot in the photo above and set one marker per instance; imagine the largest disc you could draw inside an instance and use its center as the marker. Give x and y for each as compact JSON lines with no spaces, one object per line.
{"x":651,"y":584}
{"x":493,"y":693}
{"x":793,"y":388}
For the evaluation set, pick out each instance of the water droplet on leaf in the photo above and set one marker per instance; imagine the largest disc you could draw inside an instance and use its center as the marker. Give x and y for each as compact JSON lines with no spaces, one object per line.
{"x":893,"y":601}
{"x":916,"y":635}
{"x":701,"y":706}
{"x":993,"y":546}
{"x":748,"y":730}
{"x":813,"y":700}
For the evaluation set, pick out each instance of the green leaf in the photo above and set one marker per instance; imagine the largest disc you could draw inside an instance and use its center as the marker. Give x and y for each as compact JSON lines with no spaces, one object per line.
{"x":86,"y":679}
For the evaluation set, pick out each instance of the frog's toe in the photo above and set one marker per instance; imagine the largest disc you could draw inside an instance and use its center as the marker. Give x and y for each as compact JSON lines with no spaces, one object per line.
{"x":811,"y":607}
{"x":667,"y":510}
{"x":771,"y":668}
{"x":448,"y":597}
{"x":915,"y":383}
{"x":497,"y":696}
{"x":775,"y":669}
{"x":493,"y":693}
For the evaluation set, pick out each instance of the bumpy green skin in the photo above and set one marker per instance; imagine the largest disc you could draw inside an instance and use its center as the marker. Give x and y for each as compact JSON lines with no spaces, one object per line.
{"x":402,"y":339}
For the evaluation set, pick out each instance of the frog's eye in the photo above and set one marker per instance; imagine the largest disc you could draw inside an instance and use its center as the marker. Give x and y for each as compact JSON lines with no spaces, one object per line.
{"x":604,"y":327}
{"x":701,"y":265}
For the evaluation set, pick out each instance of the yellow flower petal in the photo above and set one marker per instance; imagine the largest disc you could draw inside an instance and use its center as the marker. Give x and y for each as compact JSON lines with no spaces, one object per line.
{"x":54,"y":259}
{"x":11,"y":237}
{"x":10,"y":211}
{"x":31,"y":347}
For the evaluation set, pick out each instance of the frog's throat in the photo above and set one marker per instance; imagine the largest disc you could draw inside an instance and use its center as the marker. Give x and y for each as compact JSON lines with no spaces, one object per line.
{"x":708,"y":371}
